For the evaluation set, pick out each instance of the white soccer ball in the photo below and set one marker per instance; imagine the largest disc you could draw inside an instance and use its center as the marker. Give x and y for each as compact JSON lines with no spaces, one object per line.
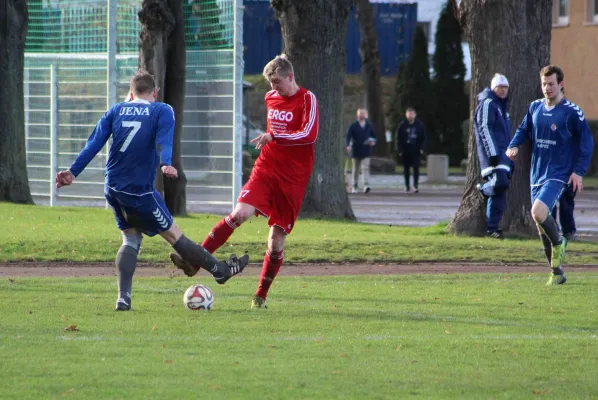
{"x":198,"y":297}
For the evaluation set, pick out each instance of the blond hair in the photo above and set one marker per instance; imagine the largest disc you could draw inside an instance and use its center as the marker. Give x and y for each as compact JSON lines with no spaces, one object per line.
{"x":279,"y":65}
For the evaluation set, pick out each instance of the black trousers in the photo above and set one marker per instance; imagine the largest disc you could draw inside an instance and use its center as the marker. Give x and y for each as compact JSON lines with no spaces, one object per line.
{"x":411,"y":160}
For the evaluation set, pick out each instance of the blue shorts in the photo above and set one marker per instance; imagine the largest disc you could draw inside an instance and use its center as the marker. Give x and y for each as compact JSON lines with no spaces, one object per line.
{"x":548,"y":193}
{"x":145,"y":212}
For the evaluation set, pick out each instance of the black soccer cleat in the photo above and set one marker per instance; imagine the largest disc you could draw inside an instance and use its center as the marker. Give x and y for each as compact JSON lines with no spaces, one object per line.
{"x":123,"y":304}
{"x":231,"y":267}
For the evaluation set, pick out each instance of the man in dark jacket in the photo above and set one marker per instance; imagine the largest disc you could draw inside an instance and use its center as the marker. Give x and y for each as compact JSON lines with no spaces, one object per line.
{"x":360,"y":140}
{"x":493,"y":134}
{"x":411,"y":136}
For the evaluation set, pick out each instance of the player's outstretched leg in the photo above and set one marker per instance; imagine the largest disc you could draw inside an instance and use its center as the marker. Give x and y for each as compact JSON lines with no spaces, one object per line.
{"x":197,"y":257}
{"x":126,"y":261}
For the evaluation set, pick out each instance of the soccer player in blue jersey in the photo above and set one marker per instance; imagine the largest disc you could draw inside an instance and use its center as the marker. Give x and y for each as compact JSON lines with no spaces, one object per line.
{"x":562,"y":148}
{"x":142,"y":133}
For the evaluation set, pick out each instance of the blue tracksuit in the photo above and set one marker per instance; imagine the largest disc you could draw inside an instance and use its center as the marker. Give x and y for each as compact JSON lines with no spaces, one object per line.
{"x":493,"y":134}
{"x":562,"y":145}
{"x":142,"y":135}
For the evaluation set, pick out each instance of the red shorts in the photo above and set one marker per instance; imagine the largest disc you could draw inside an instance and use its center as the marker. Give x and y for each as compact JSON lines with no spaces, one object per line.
{"x":278,"y":201}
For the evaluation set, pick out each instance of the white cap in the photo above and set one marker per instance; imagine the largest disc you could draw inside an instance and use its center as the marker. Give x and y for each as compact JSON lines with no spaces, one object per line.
{"x":499,"y":80}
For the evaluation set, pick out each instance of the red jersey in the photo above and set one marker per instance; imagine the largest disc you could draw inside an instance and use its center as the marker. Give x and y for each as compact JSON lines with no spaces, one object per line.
{"x":293,"y":123}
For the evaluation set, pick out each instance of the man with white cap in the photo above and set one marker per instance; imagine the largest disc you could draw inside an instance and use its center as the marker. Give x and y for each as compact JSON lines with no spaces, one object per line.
{"x":493,"y":134}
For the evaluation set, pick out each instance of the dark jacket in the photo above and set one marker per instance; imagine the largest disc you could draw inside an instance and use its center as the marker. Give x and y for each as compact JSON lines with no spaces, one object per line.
{"x":410,"y":137}
{"x":360,"y":138}
{"x":493,"y":132}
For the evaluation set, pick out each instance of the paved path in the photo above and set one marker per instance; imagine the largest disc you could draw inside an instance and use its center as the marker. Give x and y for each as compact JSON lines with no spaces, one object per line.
{"x":388,"y":203}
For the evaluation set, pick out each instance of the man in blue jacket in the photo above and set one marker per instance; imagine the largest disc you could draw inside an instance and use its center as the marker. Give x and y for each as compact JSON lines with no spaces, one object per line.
{"x":493,"y":134}
{"x":562,"y":148}
{"x":360,"y":140}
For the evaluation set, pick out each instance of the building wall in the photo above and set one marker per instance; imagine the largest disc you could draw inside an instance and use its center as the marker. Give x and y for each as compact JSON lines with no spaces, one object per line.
{"x":574,"y":48}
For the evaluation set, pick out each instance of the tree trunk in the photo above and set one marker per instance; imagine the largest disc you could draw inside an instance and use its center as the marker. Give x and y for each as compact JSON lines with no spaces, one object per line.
{"x":370,"y":68}
{"x":162,"y":53}
{"x":14,"y":184}
{"x":518,"y":45}
{"x":319,"y":62}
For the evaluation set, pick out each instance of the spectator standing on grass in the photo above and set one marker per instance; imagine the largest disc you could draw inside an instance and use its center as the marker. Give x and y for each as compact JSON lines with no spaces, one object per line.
{"x":493,"y":133}
{"x":142,"y":131}
{"x":411,"y":137}
{"x":359,"y":141}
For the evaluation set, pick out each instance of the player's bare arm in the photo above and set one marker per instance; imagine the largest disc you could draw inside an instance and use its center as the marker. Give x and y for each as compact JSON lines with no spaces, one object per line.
{"x":512,"y":152}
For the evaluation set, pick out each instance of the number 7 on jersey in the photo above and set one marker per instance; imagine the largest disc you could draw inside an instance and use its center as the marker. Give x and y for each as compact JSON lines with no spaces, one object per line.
{"x":136,"y":125}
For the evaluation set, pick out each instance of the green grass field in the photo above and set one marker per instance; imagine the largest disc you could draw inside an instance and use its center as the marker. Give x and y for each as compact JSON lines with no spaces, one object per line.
{"x":459,"y":336}
{"x":370,"y":337}
{"x":89,"y":234}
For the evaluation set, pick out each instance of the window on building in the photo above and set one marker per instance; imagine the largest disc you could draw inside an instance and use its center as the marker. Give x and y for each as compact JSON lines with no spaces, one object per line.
{"x":426,"y":27}
{"x":560,"y":12}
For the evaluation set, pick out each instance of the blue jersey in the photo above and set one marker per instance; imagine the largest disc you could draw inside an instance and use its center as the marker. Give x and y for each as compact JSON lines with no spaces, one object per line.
{"x":142,"y":134}
{"x":561,"y":139}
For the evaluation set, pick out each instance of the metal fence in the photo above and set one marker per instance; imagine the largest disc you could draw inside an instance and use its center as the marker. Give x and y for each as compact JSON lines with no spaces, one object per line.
{"x":67,"y":93}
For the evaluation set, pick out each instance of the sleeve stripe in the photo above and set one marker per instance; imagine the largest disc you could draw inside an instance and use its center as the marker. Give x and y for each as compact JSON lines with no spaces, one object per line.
{"x":310,"y":124}
{"x":487,"y":137}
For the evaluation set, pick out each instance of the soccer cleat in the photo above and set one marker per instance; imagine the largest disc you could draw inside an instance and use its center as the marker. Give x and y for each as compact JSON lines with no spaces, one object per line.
{"x":558,"y":254}
{"x":556,"y":279}
{"x":367,"y":189}
{"x":407,"y":190}
{"x":231,"y":267}
{"x":123,"y":304}
{"x":181,"y":264}
{"x":416,"y":190}
{"x":258,"y":302}
{"x":225,"y":269}
{"x":497,"y":234}
{"x":354,"y":190}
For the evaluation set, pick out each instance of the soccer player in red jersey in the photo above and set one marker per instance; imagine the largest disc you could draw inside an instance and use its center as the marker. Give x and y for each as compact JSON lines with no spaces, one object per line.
{"x":280,"y":175}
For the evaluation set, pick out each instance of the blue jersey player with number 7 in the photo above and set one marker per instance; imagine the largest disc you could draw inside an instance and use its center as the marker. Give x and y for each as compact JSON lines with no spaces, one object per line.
{"x":142,"y":133}
{"x":562,"y":148}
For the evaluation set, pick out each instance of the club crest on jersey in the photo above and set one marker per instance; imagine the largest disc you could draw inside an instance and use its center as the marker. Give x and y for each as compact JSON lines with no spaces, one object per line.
{"x":553,"y":127}
{"x":280,"y":115}
{"x":134,"y":111}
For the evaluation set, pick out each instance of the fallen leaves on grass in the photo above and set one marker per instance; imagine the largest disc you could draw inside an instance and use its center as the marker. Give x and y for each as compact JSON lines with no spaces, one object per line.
{"x":398,"y":348}
{"x":168,"y":361}
{"x":72,"y":328}
{"x":215,"y":387}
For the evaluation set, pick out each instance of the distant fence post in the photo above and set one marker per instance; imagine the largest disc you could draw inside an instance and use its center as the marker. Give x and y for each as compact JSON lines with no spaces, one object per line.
{"x":53,"y":132}
{"x":112,"y":75}
{"x":26,"y":98}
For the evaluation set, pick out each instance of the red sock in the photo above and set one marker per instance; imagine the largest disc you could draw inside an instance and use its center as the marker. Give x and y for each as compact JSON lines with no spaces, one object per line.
{"x":220,"y":234}
{"x":272,"y":263}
